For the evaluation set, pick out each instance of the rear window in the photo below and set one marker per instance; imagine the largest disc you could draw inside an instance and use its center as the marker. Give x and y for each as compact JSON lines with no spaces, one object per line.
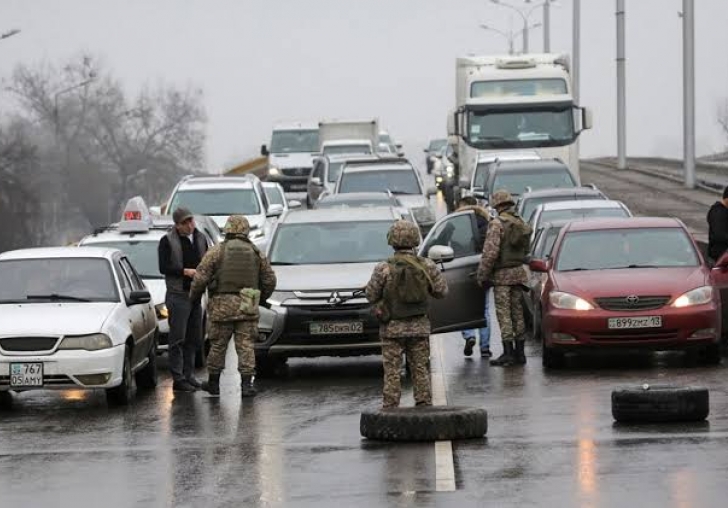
{"x":581,"y":214}
{"x":516,"y":182}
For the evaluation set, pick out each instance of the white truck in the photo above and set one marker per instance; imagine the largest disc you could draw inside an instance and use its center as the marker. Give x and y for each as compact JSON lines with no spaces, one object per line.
{"x":290,"y":154}
{"x":348,"y":137}
{"x":514,"y":104}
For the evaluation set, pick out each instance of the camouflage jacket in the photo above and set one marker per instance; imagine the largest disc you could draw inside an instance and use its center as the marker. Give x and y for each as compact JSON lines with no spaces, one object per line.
{"x":226,"y":307}
{"x":491,"y":249}
{"x":403,"y":328}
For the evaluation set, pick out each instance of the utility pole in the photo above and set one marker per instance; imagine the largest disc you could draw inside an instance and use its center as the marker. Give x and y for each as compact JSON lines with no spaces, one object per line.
{"x":576,"y":48}
{"x":547,"y":26}
{"x":688,"y":18}
{"x":621,"y":88}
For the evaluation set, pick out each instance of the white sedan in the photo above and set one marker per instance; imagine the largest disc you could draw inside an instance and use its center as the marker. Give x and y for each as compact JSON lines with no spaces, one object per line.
{"x":75,"y":318}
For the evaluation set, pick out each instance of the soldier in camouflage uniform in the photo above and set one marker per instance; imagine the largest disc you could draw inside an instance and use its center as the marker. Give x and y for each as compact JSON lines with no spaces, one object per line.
{"x":232,"y":271}
{"x":502,"y":266}
{"x":399,"y":334}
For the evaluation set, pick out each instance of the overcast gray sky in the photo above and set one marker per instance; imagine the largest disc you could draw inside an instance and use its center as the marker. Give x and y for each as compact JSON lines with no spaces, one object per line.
{"x":263,"y":61}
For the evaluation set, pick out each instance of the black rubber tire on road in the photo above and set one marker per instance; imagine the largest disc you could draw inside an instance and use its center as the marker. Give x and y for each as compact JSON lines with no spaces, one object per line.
{"x":124,"y":393}
{"x":660,"y":403}
{"x":147,"y":377}
{"x":432,"y":423}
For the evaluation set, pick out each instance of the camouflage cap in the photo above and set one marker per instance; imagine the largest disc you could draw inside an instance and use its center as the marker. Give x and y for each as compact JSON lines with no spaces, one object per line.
{"x":500,"y":198}
{"x":236,"y":225}
{"x":403,"y":234}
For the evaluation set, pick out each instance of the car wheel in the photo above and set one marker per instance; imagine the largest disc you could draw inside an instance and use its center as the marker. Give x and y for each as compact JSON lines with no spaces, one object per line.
{"x":430,"y":423}
{"x":6,"y":400}
{"x":711,"y":355}
{"x":552,"y":358}
{"x":147,"y":377}
{"x":536,"y":324}
{"x":269,"y":366}
{"x":123,"y":394}
{"x":660,"y":404}
{"x":203,"y":348}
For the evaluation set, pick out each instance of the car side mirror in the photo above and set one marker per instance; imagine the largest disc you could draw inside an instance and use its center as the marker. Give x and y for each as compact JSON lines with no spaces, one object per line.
{"x":139,"y":297}
{"x":315,"y":180}
{"x":586,"y":119}
{"x":722,"y":263}
{"x":539,"y":265}
{"x":275,"y":211}
{"x":264,"y":151}
{"x":294,"y":203}
{"x":155,"y":210}
{"x":441,"y":254}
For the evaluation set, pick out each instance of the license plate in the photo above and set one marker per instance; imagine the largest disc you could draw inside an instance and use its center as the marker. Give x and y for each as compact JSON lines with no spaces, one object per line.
{"x":26,"y":375}
{"x":337,"y":328}
{"x":634,"y":322}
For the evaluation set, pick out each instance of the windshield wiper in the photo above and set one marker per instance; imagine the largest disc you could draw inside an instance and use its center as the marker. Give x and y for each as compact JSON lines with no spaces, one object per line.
{"x":56,"y":296}
{"x":634,"y":266}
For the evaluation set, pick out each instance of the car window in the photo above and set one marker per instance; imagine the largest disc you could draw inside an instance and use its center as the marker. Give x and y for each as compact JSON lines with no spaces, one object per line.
{"x":334,"y":170}
{"x":457,"y":233}
{"x":123,"y":276}
{"x":626,"y":248}
{"x":132,"y":276}
{"x":318,"y":169}
{"x":274,"y":195}
{"x":57,"y":279}
{"x":142,"y":254}
{"x":581,"y":214}
{"x":217,"y":201}
{"x":482,"y":171}
{"x":395,"y":180}
{"x":516,"y":182}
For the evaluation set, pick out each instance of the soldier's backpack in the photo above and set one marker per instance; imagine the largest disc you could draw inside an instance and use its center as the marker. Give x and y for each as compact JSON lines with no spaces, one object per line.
{"x":408,"y":290}
{"x":516,"y":241}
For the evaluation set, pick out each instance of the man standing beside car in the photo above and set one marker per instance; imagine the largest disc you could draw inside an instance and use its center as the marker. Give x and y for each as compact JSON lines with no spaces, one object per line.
{"x":180,"y":251}
{"x":504,"y":252}
{"x":718,"y":228}
{"x":238,"y":277}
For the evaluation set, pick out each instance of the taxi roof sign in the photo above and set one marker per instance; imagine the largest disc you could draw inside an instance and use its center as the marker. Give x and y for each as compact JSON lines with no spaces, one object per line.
{"x":136,"y":217}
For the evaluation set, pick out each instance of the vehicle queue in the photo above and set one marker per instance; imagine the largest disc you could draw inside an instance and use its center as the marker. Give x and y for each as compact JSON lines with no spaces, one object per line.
{"x":95,"y":316}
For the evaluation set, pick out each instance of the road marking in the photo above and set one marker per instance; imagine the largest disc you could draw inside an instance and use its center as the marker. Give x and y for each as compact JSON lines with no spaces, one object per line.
{"x":444,"y":461}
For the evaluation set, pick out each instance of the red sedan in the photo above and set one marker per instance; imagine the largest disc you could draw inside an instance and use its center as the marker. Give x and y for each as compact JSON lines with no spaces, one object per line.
{"x":634,"y":283}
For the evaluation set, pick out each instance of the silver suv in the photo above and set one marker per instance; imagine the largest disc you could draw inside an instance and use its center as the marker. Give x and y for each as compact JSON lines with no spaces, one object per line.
{"x":222,"y":196}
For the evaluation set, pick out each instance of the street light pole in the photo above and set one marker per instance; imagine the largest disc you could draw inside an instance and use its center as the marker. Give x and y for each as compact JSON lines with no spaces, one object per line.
{"x":547,"y":26}
{"x":576,"y":48}
{"x":56,"y":119}
{"x":688,"y":17}
{"x":621,"y":89}
{"x":511,"y":36}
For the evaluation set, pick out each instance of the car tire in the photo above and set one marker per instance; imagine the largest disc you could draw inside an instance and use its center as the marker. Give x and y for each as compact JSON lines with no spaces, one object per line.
{"x":552,"y":358}
{"x":655,"y":404}
{"x":6,"y":400}
{"x":711,"y":355}
{"x":147,"y":377}
{"x":269,"y":366}
{"x":431,"y":423}
{"x":124,"y":393}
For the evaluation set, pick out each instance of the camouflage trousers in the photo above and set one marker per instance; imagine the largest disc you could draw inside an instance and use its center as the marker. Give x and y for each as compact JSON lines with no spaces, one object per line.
{"x":509,"y":311}
{"x":417,"y":350}
{"x":219,"y":336}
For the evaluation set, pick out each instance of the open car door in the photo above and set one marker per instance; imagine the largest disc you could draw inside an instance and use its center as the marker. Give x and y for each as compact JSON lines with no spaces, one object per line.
{"x":463,"y":308}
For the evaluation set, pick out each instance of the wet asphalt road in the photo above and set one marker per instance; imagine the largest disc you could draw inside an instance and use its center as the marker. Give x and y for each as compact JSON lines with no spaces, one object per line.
{"x":551,"y":441}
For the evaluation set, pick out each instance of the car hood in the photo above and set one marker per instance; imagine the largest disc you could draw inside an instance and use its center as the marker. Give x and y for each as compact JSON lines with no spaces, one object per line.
{"x":631,"y":281}
{"x":412,"y":200}
{"x":158,"y":290}
{"x":69,"y":318}
{"x":291,"y":160}
{"x":323,"y":277}
{"x":255,"y":221}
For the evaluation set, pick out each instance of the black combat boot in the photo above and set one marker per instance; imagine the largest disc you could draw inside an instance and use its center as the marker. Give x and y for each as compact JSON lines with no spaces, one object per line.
{"x":520,"y":354}
{"x":247,"y":386}
{"x":506,"y":359}
{"x":212,"y":385}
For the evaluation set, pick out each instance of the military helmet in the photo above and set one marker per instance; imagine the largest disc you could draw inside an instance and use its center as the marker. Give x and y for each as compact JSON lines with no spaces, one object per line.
{"x":501,"y":197}
{"x":237,"y":225}
{"x":404,"y":235}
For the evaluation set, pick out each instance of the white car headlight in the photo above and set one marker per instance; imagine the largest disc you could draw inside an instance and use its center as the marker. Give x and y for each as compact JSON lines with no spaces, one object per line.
{"x":93,"y":342}
{"x":273,"y":170}
{"x":698,"y":296}
{"x":567,"y":301}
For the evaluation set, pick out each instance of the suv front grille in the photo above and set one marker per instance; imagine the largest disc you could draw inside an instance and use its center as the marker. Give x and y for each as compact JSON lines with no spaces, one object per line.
{"x":28,"y":343}
{"x":632,"y":303}
{"x":296,"y":171}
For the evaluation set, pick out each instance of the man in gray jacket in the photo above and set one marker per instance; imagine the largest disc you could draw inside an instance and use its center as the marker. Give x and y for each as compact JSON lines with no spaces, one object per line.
{"x":180,"y":251}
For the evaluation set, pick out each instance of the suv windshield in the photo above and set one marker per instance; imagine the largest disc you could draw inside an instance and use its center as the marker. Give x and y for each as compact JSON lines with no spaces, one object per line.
{"x":57,"y":280}
{"x":217,"y":201}
{"x":516,"y":182}
{"x":330,"y":242}
{"x":626,"y":248}
{"x":142,"y":254}
{"x":294,"y":141}
{"x":380,"y":180}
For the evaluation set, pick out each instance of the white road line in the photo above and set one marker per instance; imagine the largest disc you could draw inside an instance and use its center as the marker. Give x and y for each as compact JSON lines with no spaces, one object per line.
{"x":444,"y":462}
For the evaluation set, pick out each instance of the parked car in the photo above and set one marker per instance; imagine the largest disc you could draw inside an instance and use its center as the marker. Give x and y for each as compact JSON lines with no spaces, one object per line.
{"x":277,"y":196}
{"x":520,"y":176}
{"x":529,"y":200}
{"x":326,"y":169}
{"x":486,"y":162}
{"x":432,"y":152}
{"x":635,"y":284}
{"x":75,"y":317}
